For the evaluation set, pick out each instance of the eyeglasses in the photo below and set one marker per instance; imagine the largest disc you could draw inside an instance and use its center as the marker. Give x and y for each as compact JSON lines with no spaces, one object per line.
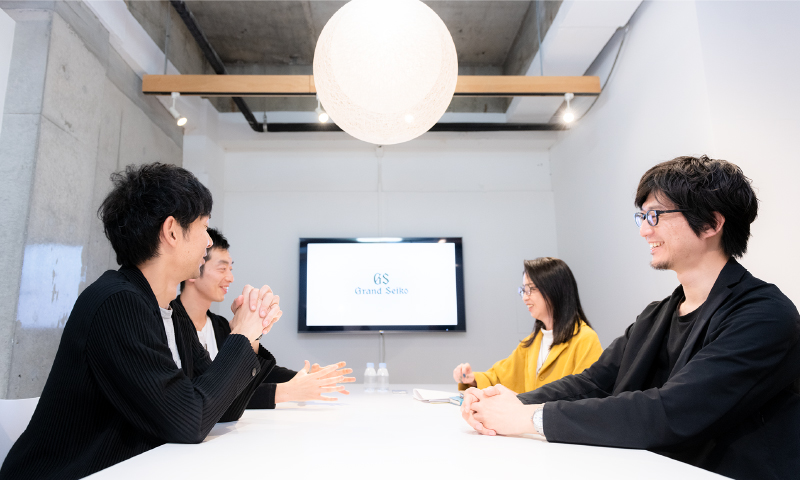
{"x":651,"y":216}
{"x":526,"y":290}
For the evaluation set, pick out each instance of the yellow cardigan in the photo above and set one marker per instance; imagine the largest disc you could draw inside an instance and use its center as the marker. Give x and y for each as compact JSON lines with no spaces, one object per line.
{"x":518,"y":371}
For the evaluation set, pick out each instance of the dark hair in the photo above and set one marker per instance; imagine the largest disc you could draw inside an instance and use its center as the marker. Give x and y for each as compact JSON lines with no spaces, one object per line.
{"x":219,"y":242}
{"x":142,"y":199}
{"x":702,"y":186}
{"x":557,"y":285}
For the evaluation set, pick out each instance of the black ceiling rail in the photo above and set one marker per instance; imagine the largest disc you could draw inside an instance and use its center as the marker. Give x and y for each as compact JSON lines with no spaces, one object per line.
{"x":439,"y":127}
{"x":213,"y":58}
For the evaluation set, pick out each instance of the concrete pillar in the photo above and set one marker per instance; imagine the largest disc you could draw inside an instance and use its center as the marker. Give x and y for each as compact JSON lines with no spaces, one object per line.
{"x":73,"y":114}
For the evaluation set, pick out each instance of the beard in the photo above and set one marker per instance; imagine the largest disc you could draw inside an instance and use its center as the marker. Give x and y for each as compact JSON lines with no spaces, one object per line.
{"x":664,"y":265}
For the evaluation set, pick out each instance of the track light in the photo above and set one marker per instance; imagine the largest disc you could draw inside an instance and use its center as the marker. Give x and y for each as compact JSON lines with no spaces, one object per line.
{"x":568,"y":115}
{"x":321,"y":114}
{"x":175,"y":114}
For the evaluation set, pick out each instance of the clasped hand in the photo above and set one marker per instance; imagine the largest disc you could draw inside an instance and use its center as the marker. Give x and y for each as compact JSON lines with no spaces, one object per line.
{"x":496,"y":410}
{"x":264,"y":310}
{"x":311,"y":382}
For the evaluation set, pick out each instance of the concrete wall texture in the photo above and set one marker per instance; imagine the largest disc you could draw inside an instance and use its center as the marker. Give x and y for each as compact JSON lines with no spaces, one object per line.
{"x":74,"y":113}
{"x":686,"y":83}
{"x":6,"y":43}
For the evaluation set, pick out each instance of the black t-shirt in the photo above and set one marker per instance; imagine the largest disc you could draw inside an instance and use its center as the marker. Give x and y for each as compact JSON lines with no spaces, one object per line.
{"x":671,"y":346}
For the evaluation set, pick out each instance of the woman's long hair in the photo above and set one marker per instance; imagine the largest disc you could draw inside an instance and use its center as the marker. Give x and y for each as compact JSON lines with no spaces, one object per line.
{"x":555,"y":282}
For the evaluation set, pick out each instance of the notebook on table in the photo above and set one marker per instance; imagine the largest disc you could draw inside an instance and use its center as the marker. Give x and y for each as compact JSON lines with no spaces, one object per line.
{"x":435,"y":396}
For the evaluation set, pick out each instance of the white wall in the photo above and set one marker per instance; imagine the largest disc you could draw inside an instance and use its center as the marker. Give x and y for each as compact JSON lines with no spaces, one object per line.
{"x":492,"y":190}
{"x":6,"y":45}
{"x":202,"y":155}
{"x":751,"y":52}
{"x":693,"y":78}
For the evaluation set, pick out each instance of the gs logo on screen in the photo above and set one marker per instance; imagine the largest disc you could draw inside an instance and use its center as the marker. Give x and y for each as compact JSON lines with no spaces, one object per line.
{"x":381,"y":279}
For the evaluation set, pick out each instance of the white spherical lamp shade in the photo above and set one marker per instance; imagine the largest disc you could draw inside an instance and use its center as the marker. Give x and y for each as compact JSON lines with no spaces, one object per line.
{"x":385,"y":70}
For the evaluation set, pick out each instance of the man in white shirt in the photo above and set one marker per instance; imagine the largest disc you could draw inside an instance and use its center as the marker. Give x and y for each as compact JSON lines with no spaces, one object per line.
{"x":282,"y":384}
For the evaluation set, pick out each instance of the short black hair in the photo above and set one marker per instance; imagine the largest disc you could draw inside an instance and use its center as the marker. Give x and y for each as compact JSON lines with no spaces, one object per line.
{"x":219,"y":242}
{"x":702,"y":186}
{"x":142,"y":199}
{"x":559,"y":289}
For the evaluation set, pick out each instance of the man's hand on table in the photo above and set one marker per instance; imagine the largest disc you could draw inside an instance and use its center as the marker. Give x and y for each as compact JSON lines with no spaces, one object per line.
{"x":311,"y":382}
{"x":497,"y":410}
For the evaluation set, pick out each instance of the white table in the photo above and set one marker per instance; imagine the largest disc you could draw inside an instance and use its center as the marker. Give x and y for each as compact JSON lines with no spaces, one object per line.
{"x":384,"y":436}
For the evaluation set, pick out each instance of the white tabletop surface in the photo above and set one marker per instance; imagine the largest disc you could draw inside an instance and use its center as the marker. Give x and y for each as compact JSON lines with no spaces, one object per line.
{"x":384,"y":436}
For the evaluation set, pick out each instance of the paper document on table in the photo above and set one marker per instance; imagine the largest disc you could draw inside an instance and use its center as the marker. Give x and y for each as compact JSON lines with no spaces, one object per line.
{"x":433,"y":396}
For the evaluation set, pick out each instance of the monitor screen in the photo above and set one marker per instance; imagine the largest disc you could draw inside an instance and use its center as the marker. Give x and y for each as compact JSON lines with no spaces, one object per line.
{"x":390,"y":284}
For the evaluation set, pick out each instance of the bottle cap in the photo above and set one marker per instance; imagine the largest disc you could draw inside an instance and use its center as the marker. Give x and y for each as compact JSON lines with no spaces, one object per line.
{"x":370,"y":365}
{"x":381,"y":365}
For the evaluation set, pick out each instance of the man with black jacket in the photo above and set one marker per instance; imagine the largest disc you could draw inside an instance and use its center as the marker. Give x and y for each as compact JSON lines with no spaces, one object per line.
{"x":196,"y":324}
{"x":115,"y":389}
{"x":711,"y":374}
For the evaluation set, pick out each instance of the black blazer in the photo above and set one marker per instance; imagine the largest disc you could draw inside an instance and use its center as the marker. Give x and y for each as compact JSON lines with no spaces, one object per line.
{"x":186,"y":338}
{"x":730,"y":405}
{"x":114,"y":390}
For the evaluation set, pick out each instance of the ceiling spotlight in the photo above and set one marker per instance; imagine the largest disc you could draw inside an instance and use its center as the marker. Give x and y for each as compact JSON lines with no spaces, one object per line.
{"x":568,"y":115}
{"x":175,"y":114}
{"x":321,"y":114}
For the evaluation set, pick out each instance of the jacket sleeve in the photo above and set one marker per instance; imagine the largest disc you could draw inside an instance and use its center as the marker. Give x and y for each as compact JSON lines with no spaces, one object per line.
{"x":510,"y":372}
{"x":597,"y":381}
{"x":280,"y":375}
{"x":264,"y":397}
{"x":133,"y":367}
{"x":202,"y":361}
{"x":729,"y":376}
{"x":244,"y":399}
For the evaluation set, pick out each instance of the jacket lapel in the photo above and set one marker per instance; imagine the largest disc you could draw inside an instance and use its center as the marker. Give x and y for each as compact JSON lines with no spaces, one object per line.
{"x":219,"y":323}
{"x":183,"y":329}
{"x":730,"y":275}
{"x":135,"y":276}
{"x":555,"y":351}
{"x":635,"y":369}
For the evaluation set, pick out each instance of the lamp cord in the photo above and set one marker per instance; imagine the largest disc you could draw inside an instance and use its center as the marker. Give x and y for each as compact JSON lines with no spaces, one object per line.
{"x":539,"y":37}
{"x":166,"y":40}
{"x":626,"y":28}
{"x":381,"y":347}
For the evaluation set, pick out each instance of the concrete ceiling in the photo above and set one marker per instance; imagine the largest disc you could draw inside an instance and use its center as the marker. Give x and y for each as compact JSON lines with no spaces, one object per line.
{"x":285,"y":33}
{"x":492,"y":37}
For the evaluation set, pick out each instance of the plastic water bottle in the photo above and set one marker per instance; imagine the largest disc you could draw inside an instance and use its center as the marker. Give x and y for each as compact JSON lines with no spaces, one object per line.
{"x":370,"y":378}
{"x":383,"y":378}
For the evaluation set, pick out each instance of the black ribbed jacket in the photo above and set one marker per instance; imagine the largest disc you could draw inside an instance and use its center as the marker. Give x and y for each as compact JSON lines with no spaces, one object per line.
{"x":114,"y":390}
{"x":186,"y":339}
{"x":730,"y":405}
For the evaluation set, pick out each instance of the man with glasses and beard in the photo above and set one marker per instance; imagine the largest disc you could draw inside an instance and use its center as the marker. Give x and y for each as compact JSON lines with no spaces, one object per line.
{"x":711,"y":374}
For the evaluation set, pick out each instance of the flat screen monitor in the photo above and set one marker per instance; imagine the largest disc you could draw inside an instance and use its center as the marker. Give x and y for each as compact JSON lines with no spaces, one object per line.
{"x":373,"y":284}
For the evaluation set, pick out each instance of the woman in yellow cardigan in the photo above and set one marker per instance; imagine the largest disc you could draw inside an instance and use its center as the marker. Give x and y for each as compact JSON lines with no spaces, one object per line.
{"x":562,"y":343}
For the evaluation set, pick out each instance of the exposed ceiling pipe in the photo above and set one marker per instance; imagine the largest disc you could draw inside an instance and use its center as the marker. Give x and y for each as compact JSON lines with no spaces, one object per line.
{"x":213,"y":58}
{"x":439,"y":127}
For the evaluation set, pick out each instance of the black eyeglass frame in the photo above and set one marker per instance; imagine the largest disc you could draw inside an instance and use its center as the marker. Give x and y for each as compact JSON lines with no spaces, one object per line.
{"x":638,"y":217}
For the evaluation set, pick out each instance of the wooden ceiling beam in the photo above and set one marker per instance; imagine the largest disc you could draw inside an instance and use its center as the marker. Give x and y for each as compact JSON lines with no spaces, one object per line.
{"x":303,"y":85}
